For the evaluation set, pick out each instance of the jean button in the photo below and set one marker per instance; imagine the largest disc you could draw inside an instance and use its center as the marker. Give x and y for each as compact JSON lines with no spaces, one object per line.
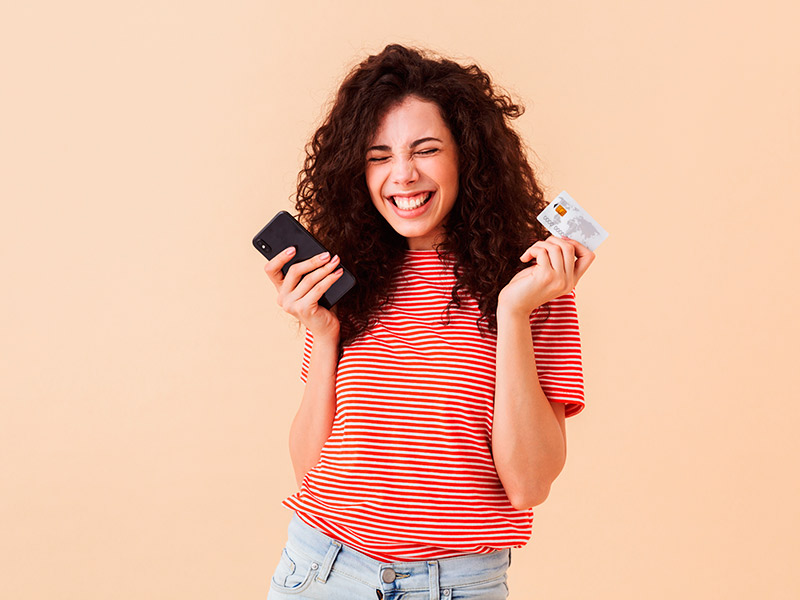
{"x":315,"y":566}
{"x":389,"y":575}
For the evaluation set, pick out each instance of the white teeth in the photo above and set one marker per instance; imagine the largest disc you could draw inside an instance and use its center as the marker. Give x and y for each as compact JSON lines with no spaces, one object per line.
{"x":411,"y":202}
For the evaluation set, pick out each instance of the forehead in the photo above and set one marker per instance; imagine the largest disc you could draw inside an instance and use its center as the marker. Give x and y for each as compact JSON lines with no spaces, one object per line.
{"x":409,"y":120}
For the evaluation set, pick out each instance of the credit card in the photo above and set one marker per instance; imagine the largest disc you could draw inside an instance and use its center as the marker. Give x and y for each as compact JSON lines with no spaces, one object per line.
{"x":565,"y":217}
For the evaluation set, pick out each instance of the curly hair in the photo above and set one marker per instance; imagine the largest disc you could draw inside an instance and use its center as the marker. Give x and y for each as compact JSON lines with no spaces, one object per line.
{"x":493,"y":220}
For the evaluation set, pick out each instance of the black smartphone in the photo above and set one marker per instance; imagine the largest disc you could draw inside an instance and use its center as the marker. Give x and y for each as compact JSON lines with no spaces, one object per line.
{"x":284,"y":231}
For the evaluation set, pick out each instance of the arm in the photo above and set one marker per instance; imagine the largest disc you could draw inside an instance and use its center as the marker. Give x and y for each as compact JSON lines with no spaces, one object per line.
{"x":529,"y":435}
{"x":529,"y":442}
{"x":298,"y":294}
{"x":314,"y":419}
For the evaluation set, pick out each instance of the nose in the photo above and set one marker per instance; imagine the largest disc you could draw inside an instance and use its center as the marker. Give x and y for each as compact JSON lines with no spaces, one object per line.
{"x":404,"y":171}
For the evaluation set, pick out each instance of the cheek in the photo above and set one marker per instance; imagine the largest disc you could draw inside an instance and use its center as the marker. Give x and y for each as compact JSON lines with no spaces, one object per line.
{"x":446,"y":173}
{"x":374,"y":193}
{"x":453,"y":172}
{"x":376,"y":181}
{"x":452,"y":185}
{"x":373,"y":185}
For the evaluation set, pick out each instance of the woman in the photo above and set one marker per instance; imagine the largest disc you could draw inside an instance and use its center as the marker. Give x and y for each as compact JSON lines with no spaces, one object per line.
{"x":432,"y":419}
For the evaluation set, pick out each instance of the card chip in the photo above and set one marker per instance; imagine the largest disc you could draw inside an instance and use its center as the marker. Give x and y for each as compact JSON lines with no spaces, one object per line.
{"x":561,"y":210}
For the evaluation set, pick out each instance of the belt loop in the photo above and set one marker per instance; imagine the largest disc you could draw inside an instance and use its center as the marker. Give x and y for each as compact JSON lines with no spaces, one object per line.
{"x":433,"y":578}
{"x":327,"y":563}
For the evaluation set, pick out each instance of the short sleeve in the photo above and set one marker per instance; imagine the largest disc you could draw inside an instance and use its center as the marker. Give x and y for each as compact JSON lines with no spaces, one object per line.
{"x":307,"y":344}
{"x":557,"y":345}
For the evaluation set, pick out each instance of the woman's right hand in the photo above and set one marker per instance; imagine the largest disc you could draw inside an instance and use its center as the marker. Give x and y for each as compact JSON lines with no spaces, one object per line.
{"x":299,"y":295}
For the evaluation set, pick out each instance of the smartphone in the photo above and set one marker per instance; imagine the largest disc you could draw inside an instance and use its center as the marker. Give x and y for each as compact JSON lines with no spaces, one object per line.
{"x":284,"y":231}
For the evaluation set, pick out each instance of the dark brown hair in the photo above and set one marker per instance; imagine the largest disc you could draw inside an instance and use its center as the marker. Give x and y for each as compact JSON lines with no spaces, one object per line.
{"x":493,"y":219}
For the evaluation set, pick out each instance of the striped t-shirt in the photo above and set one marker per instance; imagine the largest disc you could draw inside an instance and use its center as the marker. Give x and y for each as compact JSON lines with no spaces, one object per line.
{"x":407,"y":472}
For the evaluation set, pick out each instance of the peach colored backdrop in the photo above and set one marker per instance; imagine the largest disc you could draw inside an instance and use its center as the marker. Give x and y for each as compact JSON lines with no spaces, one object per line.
{"x":149,"y":378}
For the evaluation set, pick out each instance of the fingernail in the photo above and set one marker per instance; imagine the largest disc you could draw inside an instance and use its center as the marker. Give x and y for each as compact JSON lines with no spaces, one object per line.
{"x":338,"y":271}
{"x":324,"y":255}
{"x":289,"y":251}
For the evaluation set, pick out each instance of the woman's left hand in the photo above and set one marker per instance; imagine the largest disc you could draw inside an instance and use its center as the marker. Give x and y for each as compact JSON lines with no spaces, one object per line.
{"x":560,"y":263}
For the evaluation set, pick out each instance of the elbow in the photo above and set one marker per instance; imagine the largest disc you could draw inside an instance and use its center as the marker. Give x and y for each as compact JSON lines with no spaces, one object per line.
{"x":300,"y":462}
{"x":526,"y":492}
{"x":528,"y":487}
{"x":526,"y":499}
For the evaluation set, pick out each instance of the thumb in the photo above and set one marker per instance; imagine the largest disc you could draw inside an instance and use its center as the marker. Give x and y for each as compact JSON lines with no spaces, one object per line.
{"x":583,"y":258}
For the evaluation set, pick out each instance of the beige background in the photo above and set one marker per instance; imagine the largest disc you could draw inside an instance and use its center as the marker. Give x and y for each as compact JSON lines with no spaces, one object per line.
{"x":149,"y":378}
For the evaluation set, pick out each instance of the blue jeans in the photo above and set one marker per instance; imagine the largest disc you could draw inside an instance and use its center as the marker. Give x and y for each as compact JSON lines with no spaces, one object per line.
{"x":316,"y":566}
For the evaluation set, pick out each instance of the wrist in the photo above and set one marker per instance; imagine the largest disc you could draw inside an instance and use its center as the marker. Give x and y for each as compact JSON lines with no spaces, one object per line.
{"x":326,"y":337}
{"x":512,"y":314}
{"x":509,"y":322}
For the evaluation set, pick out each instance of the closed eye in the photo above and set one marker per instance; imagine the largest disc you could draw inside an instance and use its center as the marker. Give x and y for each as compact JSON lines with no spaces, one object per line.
{"x":378,"y":159}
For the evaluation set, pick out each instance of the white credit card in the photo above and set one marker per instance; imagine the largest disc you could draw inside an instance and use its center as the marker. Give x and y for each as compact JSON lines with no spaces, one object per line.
{"x":565,"y":217}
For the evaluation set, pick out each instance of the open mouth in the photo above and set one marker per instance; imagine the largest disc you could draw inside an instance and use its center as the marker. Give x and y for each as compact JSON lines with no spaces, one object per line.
{"x":411,"y":202}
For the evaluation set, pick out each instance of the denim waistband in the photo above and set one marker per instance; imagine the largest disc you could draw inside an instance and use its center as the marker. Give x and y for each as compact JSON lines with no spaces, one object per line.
{"x":333,"y":555}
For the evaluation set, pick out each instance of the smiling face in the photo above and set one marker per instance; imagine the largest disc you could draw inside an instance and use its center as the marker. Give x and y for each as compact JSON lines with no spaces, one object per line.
{"x":412,"y":171}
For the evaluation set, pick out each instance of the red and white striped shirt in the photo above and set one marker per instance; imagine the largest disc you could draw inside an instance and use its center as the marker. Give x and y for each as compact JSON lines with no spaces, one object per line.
{"x":407,"y":472}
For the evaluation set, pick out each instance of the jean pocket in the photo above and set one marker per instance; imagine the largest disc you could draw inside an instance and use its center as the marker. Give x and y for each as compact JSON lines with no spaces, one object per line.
{"x":294,"y":573}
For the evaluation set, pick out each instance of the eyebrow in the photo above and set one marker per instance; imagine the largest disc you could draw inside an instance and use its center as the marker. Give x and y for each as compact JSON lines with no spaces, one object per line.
{"x":414,"y":144}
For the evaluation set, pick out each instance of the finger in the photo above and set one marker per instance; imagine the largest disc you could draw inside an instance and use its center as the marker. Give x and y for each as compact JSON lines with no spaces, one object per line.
{"x":556,"y":255}
{"x":541,"y":255}
{"x":584,"y":258}
{"x":528,"y":254}
{"x":567,"y":252}
{"x":274,"y":266}
{"x":297,"y":270}
{"x":316,"y":292}
{"x":314,"y":277}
